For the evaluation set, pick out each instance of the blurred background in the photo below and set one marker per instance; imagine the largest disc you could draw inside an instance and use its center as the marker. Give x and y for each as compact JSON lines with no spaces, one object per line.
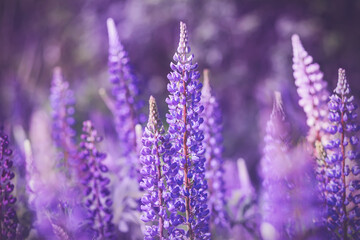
{"x":246,"y":44}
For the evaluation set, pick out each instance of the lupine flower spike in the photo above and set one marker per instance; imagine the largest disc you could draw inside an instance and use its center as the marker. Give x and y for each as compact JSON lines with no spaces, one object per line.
{"x":213,"y":145}
{"x":246,"y":210}
{"x":62,"y":102}
{"x":8,"y":218}
{"x":274,"y":159}
{"x":97,"y":194}
{"x":246,"y":187}
{"x":125,"y":92}
{"x":288,"y":200}
{"x":190,"y":189}
{"x":287,"y":184}
{"x":154,"y":166}
{"x":343,"y":187}
{"x":311,"y":89}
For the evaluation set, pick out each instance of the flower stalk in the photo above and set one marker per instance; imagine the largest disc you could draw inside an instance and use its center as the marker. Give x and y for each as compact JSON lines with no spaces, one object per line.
{"x":186,"y":138}
{"x":97,"y":193}
{"x":213,"y":146}
{"x":311,"y":89}
{"x":155,"y":147}
{"x":343,"y":187}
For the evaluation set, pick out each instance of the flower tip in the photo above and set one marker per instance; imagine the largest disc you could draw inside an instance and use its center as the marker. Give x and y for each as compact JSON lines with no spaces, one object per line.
{"x":152,"y":104}
{"x":182,"y":25}
{"x":295,"y":38}
{"x":87,"y":124}
{"x":278,"y":104}
{"x":277,"y":96}
{"x":342,"y":85}
{"x":244,"y":177}
{"x":341,"y":73}
{"x":206,"y":89}
{"x":27,"y":147}
{"x":206,"y":76}
{"x":296,"y":43}
{"x":152,"y":100}
{"x":110,"y":24}
{"x":183,"y":29}
{"x":57,"y":76}
{"x":154,"y":121}
{"x":113,"y":35}
{"x":57,"y":70}
{"x":341,"y":77}
{"x":153,"y":107}
{"x":183,"y":47}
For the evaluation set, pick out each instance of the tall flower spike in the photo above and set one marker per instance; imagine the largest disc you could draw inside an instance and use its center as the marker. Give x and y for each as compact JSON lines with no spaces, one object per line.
{"x":287,"y":180}
{"x":125,"y":92}
{"x":311,"y":89}
{"x":62,"y":102}
{"x":213,"y":145}
{"x":154,"y":167}
{"x":97,"y":193}
{"x":343,"y":187}
{"x":274,"y":159}
{"x":190,"y":187}
{"x":8,"y":218}
{"x":247,"y":189}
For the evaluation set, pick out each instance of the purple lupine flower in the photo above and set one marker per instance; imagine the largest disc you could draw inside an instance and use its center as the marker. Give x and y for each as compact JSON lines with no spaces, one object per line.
{"x":62,"y":102}
{"x":125,"y":92}
{"x":246,"y":188}
{"x":189,"y":190}
{"x":287,"y":181}
{"x":154,"y":168}
{"x":314,"y":97}
{"x":8,"y":218}
{"x":311,"y":89}
{"x":274,"y":159}
{"x":97,"y":193}
{"x":244,"y":210}
{"x":343,"y":187}
{"x":213,"y":145}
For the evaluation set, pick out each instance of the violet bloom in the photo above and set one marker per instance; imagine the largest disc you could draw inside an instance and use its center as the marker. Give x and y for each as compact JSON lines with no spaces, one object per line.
{"x":343,"y":187}
{"x":154,"y":167}
{"x":190,"y":187}
{"x":311,"y":89}
{"x":275,"y":159}
{"x":288,"y":178}
{"x":8,"y":218}
{"x":125,"y":92}
{"x":62,"y":102}
{"x":97,"y":194}
{"x":213,"y":145}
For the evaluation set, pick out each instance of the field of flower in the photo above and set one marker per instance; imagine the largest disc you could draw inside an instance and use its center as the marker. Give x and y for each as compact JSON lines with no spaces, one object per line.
{"x":154,"y":119}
